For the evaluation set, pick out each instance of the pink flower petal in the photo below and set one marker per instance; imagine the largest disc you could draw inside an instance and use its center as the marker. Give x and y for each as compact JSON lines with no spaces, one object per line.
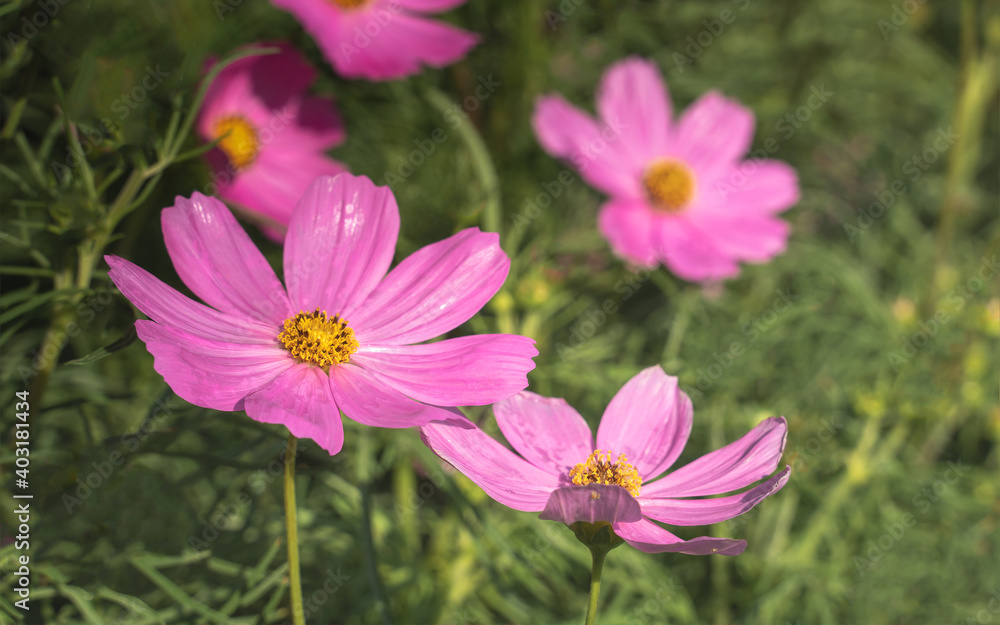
{"x":592,"y":503}
{"x":753,"y":186}
{"x":428,"y":6}
{"x":648,"y":420}
{"x":713,"y":133}
{"x":280,"y":78}
{"x":629,"y":225}
{"x":405,"y":44}
{"x":311,"y":10}
{"x":500,"y":472}
{"x":273,"y":185}
{"x":547,"y":431}
{"x":165,"y":305}
{"x":649,"y":537}
{"x":747,"y":237}
{"x":379,"y":42}
{"x":340,"y":243}
{"x":307,"y":124}
{"x":367,"y":400}
{"x":231,"y":95}
{"x":317,"y":124}
{"x":633,"y":94}
{"x":300,"y":399}
{"x":740,"y":463}
{"x":434,"y":290}
{"x":708,"y":511}
{"x":567,"y":133}
{"x":208,"y":373}
{"x":217,"y":260}
{"x":689,"y":253}
{"x":467,"y":371}
{"x":253,"y":87}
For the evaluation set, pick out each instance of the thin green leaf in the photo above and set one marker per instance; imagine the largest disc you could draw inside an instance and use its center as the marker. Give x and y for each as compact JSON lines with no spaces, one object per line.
{"x":82,"y":600}
{"x":14,"y":270}
{"x":130,"y":603}
{"x":175,"y":592}
{"x":119,"y":344}
{"x":271,"y":581}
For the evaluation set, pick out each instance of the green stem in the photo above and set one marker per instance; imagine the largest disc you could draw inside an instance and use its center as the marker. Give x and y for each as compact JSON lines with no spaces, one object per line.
{"x":292,"y":532}
{"x":56,"y":335}
{"x":595,"y":584}
{"x":679,"y":326}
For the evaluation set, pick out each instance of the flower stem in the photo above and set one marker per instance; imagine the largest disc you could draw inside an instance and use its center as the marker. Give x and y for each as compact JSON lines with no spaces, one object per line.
{"x":595,"y":584}
{"x":292,"y":533}
{"x":682,"y":318}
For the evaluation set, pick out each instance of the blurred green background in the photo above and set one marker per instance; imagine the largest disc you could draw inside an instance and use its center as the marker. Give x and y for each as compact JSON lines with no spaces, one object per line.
{"x":150,"y":510}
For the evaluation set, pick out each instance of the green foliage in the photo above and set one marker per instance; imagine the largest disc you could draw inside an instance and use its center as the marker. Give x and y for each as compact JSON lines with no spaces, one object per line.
{"x":150,"y":510}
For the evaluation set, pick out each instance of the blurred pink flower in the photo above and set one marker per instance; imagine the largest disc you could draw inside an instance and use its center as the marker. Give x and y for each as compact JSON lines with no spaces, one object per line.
{"x":381,"y":39}
{"x":277,"y":135}
{"x":643,"y":431}
{"x":681,"y":193}
{"x":288,"y":354}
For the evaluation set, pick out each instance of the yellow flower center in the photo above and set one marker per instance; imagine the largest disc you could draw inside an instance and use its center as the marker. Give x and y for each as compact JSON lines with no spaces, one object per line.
{"x":351,"y":4}
{"x":318,"y":339}
{"x":239,"y":140}
{"x":598,"y":469}
{"x":669,"y":185}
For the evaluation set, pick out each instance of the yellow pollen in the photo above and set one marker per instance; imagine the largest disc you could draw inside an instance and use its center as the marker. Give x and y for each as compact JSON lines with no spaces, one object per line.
{"x":598,"y":469}
{"x":318,"y":339}
{"x":238,"y":140}
{"x":351,"y":4}
{"x":669,"y":185}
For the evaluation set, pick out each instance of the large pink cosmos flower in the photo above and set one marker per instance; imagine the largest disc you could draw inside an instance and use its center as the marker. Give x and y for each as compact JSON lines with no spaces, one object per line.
{"x":562,"y":473}
{"x":288,"y":354}
{"x":680,"y":192}
{"x":273,"y":135}
{"x":381,"y":39}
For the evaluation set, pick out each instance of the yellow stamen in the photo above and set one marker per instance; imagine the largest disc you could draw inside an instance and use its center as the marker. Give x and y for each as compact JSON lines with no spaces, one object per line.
{"x":239,"y":140}
{"x":598,"y":469}
{"x":351,"y":4}
{"x":669,"y":185}
{"x":317,"y":339}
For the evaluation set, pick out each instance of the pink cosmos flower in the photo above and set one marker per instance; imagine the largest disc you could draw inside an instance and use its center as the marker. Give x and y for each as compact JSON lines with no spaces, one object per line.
{"x":680,"y":192}
{"x":381,"y":39}
{"x":288,"y":354}
{"x":561,"y":472}
{"x":273,"y":135}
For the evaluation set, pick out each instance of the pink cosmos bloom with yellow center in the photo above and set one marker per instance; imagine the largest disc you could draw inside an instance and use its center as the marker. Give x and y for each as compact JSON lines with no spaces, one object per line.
{"x":563,"y":473}
{"x":381,"y":39}
{"x":681,"y":193}
{"x":272,"y":136}
{"x":341,"y":333}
